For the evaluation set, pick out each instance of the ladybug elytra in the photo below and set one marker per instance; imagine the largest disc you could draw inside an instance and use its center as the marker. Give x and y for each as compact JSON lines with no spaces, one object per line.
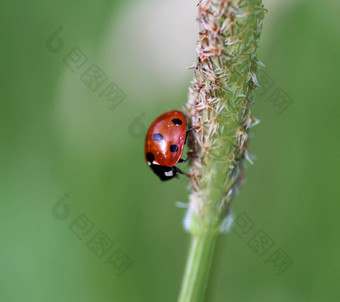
{"x":164,"y":144}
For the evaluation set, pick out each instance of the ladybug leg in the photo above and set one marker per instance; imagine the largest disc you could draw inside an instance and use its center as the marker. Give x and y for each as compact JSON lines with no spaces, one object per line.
{"x":188,"y":131}
{"x":192,"y":154}
{"x":181,"y":160}
{"x":179,"y":171}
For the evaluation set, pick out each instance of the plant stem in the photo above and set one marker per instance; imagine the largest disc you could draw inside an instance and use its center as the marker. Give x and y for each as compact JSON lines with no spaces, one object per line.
{"x":198,"y":267}
{"x":219,"y":108}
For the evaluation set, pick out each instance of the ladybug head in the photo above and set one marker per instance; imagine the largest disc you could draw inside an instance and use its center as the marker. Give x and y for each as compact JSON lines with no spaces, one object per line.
{"x":164,"y":173}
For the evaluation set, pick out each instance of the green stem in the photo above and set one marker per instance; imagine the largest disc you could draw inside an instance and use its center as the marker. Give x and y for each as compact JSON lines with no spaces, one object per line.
{"x":198,"y":266}
{"x":219,"y":107}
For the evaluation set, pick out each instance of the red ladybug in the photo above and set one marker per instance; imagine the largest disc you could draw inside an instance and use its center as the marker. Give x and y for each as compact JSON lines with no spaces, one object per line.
{"x":164,"y":144}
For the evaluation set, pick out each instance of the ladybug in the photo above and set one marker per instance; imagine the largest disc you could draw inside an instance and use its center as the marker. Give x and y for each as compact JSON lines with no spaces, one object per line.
{"x":164,"y":144}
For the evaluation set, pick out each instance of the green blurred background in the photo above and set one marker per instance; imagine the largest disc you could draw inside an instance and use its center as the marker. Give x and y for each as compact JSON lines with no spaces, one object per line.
{"x":58,"y":136}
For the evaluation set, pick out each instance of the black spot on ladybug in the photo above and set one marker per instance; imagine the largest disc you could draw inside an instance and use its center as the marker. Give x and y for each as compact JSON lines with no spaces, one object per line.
{"x":158,"y":137}
{"x":177,"y":121}
{"x":150,"y":157}
{"x":173,"y":148}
